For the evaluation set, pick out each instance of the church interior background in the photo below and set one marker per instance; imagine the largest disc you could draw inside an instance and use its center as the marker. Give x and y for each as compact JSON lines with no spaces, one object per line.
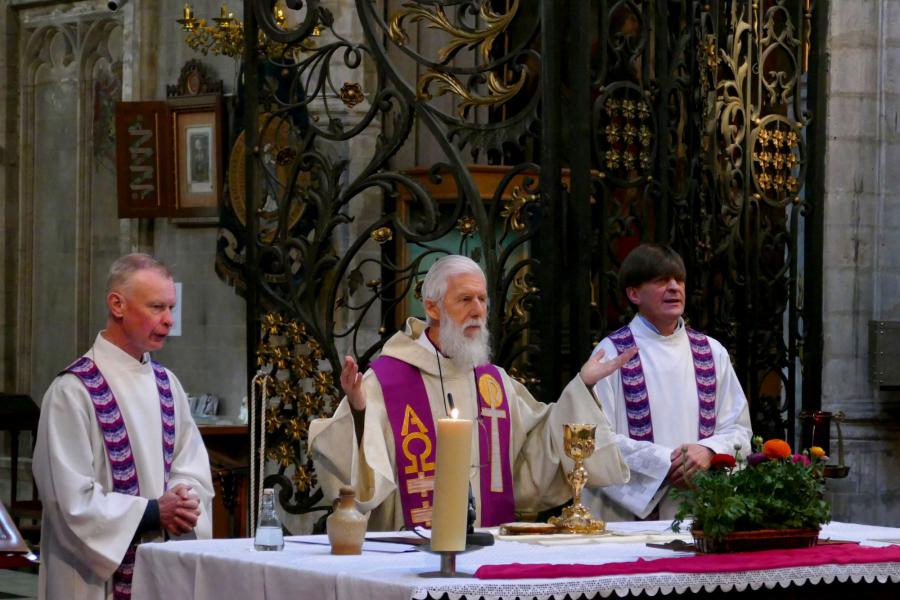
{"x":545,"y":139}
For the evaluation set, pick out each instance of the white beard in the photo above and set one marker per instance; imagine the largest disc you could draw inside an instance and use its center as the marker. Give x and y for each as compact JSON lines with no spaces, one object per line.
{"x":468,"y":352}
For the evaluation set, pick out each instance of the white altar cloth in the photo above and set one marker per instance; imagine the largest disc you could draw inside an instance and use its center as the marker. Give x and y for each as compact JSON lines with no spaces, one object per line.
{"x":224,"y":569}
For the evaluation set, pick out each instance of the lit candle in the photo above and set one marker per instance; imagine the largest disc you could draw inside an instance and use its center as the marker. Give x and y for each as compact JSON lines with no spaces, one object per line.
{"x":187,"y":12}
{"x":451,"y":484}
{"x":223,"y":12}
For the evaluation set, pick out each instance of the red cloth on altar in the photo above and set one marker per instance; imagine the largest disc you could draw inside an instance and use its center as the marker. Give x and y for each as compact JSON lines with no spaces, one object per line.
{"x":840,"y":554}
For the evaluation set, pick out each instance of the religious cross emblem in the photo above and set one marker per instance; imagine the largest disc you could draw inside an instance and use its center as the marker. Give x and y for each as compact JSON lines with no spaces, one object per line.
{"x":491,"y":393}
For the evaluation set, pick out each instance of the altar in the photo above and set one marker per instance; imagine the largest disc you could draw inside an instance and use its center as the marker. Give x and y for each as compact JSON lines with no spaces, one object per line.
{"x":218,"y":569}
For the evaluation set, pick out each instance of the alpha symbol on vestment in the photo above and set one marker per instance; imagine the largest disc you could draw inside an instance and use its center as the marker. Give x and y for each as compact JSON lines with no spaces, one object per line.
{"x":417,"y":462}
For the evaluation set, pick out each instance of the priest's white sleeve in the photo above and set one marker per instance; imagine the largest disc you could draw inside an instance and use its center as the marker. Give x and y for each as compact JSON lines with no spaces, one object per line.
{"x":649,"y":463}
{"x":367,"y":466}
{"x":538,"y":451}
{"x":90,"y":521}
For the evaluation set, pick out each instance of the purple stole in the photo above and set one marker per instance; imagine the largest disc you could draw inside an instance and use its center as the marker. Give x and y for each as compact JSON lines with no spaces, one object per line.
{"x":637,"y":402}
{"x":412,"y":424}
{"x":118,"y":447}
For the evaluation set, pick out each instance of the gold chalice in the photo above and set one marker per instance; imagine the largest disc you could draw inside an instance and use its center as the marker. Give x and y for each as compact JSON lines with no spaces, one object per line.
{"x":578,"y":443}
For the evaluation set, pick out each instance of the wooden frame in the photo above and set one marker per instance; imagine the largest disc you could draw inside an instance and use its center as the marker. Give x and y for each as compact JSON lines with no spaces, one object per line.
{"x":197,"y":139}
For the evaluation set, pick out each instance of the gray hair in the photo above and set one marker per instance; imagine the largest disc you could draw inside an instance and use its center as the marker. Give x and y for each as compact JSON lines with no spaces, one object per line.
{"x":436,"y":280}
{"x":121,"y":271}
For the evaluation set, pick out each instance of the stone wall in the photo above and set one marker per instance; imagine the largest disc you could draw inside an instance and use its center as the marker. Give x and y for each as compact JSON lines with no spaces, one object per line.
{"x":862,"y":249}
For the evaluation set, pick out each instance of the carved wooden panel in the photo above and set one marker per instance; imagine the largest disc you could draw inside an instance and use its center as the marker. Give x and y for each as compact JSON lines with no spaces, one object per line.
{"x":143,"y":166}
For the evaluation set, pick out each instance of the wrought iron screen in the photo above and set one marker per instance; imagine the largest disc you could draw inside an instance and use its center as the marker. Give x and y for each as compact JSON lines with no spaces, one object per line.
{"x":544,"y":139}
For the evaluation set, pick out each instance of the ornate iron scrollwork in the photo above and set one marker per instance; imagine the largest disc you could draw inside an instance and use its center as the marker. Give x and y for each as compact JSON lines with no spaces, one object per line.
{"x":694,"y":123}
{"x":344,"y":274}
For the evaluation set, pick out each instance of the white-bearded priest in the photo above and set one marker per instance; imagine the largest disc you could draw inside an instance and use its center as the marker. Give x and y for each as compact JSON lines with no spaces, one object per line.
{"x":381,"y":438}
{"x":118,"y":459}
{"x":673,"y":404}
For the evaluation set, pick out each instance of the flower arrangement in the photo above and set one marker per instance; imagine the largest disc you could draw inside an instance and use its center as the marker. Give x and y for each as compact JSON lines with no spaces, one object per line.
{"x":773,"y":489}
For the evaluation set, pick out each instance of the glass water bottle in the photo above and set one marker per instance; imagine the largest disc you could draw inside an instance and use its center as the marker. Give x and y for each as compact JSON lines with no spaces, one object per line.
{"x":268,"y":528}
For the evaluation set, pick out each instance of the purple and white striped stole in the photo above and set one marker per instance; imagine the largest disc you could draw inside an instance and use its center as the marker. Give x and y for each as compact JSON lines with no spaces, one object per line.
{"x":634,"y":386}
{"x":118,"y":446}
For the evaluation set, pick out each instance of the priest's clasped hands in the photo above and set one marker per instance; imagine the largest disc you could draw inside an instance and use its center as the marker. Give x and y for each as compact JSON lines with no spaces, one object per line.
{"x":179,"y":509}
{"x":687,"y":461}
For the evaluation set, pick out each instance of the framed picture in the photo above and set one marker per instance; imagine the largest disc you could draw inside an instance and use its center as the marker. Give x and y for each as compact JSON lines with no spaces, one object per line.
{"x":197,"y":135}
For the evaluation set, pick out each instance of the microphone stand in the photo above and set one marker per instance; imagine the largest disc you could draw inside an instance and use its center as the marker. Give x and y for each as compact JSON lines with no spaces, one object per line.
{"x":475,"y":538}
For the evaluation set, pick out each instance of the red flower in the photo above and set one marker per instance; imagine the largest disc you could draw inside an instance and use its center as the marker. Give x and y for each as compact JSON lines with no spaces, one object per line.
{"x":722,"y":461}
{"x":776,"y":449}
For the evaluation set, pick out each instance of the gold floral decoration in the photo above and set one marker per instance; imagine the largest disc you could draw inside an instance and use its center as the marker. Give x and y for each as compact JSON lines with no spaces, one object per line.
{"x":382,"y":235}
{"x":775,"y":158}
{"x":298,"y":392}
{"x":627,"y":139}
{"x":303,"y":479}
{"x":351,"y":94}
{"x":467,"y":225}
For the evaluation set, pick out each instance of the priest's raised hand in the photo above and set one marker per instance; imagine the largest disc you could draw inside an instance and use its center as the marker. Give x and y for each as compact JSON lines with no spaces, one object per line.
{"x":352,"y":384}
{"x":596,"y":368}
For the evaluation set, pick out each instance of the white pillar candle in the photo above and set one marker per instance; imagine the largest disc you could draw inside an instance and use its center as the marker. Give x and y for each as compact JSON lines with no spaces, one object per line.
{"x":451,"y":484}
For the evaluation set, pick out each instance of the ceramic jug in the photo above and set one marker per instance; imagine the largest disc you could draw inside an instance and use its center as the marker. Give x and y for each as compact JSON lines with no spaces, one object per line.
{"x":346,"y":525}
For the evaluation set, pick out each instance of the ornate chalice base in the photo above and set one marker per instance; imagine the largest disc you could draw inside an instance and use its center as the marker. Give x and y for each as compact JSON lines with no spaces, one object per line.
{"x":578,"y":519}
{"x":578,"y":443}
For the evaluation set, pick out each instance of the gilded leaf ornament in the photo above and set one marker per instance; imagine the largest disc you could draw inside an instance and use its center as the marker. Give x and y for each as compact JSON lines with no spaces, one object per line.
{"x":459,"y":36}
{"x":498,"y":93}
{"x":513,"y":209}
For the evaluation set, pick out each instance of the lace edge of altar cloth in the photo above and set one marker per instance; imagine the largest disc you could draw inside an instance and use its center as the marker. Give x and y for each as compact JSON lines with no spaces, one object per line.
{"x":664,"y":583}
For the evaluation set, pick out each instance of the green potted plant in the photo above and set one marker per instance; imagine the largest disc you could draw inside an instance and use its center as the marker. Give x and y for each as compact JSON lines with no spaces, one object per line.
{"x":773,"y":499}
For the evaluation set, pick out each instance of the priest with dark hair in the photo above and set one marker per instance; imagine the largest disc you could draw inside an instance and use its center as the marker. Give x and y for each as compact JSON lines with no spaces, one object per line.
{"x":674,"y":403}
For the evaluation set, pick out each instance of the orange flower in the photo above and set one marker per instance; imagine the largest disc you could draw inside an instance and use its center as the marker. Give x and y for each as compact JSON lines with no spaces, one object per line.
{"x":817,"y":452}
{"x":775,"y":449}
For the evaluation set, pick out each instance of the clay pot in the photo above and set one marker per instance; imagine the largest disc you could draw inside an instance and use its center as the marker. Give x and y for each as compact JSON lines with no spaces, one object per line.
{"x":346,"y":526}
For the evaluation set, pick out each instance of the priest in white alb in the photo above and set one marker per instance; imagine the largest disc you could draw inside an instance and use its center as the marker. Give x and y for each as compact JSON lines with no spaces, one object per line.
{"x":118,"y":459}
{"x":673,"y":404}
{"x":381,"y":438}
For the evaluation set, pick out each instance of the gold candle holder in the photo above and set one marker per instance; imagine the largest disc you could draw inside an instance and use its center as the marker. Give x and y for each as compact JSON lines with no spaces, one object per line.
{"x":578,"y":443}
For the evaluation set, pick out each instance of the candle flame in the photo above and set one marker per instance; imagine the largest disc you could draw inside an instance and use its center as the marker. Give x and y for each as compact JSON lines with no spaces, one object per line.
{"x":454,"y":413}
